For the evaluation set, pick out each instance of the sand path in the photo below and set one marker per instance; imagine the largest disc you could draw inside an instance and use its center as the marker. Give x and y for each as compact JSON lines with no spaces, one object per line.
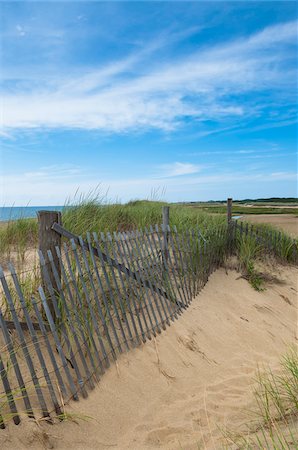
{"x":177,"y":391}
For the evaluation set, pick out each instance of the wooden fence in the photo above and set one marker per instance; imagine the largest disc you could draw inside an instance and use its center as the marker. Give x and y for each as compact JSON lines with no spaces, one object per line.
{"x":99,"y":297}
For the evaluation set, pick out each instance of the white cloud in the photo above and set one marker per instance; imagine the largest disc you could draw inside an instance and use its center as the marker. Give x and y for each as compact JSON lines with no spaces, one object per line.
{"x":177,"y":169}
{"x":20,"y":30}
{"x":284,"y":176}
{"x":119,"y":97}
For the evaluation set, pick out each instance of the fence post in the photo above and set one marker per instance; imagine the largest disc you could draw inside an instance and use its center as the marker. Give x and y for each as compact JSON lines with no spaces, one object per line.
{"x":48,"y":239}
{"x":230,"y":224}
{"x":165,"y":223}
{"x":229,"y":210}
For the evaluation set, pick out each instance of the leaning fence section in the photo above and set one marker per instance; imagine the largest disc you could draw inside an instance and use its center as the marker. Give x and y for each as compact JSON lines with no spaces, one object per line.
{"x":102,"y":294}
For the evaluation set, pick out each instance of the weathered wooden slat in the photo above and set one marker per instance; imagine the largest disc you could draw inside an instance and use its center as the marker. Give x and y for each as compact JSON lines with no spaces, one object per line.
{"x":105,"y":323}
{"x":130,"y":260}
{"x":186,"y":263}
{"x":130,"y":296}
{"x":89,"y":325}
{"x":187,"y":243}
{"x":165,"y":224}
{"x":178,"y":266}
{"x":16,"y":367}
{"x":104,"y":297}
{"x":145,"y":274}
{"x":127,"y":298}
{"x":182,"y":263}
{"x":70,"y":321}
{"x":95,"y":295}
{"x":59,"y":321}
{"x":117,"y":290}
{"x":130,"y":239}
{"x":139,"y":311}
{"x":171,"y":270}
{"x":24,"y":348}
{"x":72,"y":387}
{"x":35,"y":341}
{"x":172,"y":275}
{"x":141,"y":245}
{"x":195,"y":244}
{"x":187,"y":246}
{"x":157,"y":247}
{"x":104,"y":240}
{"x":172,"y":298}
{"x":152,"y":256}
{"x":9,"y":395}
{"x":49,"y":348}
{"x":88,"y":300}
{"x":86,"y":338}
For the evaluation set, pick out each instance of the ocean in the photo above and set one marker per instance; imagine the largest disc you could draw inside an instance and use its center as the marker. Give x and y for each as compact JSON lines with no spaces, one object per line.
{"x":17,"y":212}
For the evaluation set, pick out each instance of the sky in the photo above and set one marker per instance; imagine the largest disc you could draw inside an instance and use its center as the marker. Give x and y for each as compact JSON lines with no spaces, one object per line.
{"x":176,"y":101}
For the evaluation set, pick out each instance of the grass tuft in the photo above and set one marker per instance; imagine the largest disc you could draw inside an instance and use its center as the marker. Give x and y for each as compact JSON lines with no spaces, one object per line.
{"x":276,"y":416}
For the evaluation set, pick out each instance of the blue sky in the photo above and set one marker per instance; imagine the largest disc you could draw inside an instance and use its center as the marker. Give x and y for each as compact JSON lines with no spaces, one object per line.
{"x":180,"y":100}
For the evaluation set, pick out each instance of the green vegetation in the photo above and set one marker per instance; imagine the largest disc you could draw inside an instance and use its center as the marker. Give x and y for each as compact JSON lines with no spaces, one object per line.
{"x":93,"y":213}
{"x":89,"y":214}
{"x":248,"y":251}
{"x":281,"y":245}
{"x":276,"y":416}
{"x":17,"y":236}
{"x":256,"y":243}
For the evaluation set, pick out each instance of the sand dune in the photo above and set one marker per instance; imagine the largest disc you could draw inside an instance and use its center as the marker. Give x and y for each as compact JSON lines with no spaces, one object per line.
{"x":179,"y":390}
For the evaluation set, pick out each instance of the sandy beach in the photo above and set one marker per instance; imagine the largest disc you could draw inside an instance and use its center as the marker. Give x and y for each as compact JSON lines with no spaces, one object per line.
{"x":180,"y":390}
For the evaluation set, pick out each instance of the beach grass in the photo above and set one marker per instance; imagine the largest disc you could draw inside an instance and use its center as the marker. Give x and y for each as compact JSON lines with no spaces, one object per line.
{"x":95,"y":213}
{"x":17,"y":236}
{"x":275,"y":421}
{"x":256,"y":244}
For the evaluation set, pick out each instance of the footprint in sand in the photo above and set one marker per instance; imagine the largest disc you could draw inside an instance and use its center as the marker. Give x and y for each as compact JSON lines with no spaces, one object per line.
{"x":189,"y":342}
{"x":241,"y":381}
{"x":165,"y":435}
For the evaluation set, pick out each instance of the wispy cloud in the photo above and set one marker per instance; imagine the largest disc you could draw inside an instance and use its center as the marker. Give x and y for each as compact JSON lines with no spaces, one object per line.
{"x":119,"y":97}
{"x":53,"y":172}
{"x":177,"y":169}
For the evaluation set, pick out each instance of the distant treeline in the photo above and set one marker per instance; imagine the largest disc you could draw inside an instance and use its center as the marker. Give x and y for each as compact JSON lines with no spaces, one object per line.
{"x":270,"y":200}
